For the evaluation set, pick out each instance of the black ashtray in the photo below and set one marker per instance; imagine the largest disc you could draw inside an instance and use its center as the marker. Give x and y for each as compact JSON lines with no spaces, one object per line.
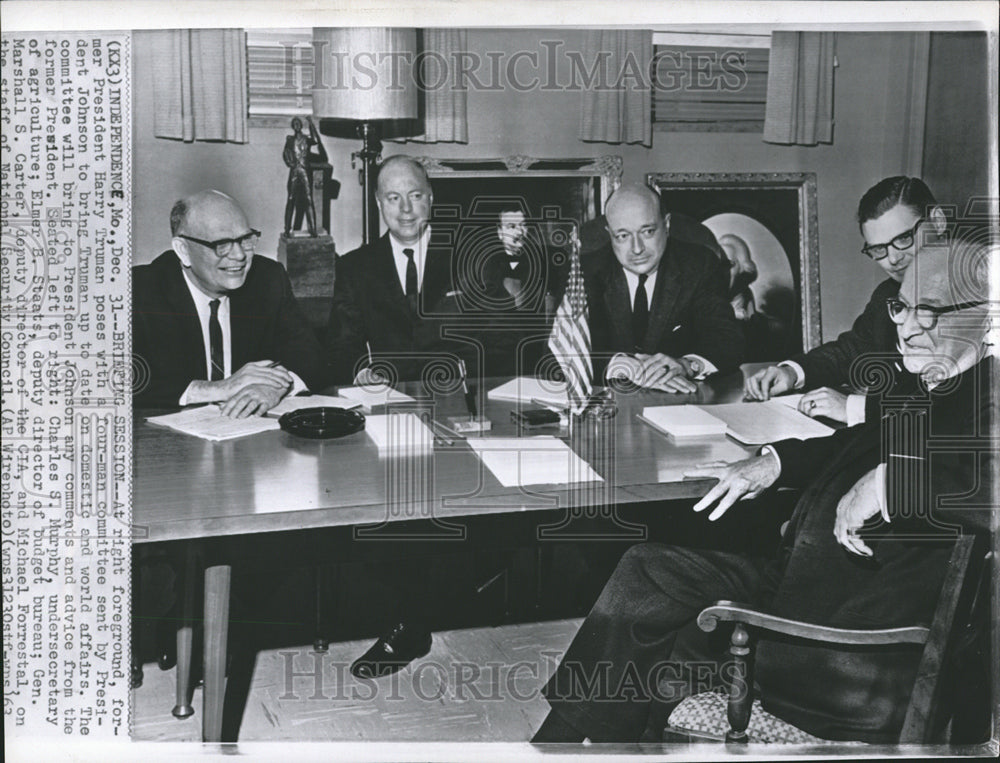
{"x":322,"y":423}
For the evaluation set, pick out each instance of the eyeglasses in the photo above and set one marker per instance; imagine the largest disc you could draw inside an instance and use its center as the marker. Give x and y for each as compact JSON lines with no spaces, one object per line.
{"x":223,"y":247}
{"x":927,"y":315}
{"x":902,"y":241}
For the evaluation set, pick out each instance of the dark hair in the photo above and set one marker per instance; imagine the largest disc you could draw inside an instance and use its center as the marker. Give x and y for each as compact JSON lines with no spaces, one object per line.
{"x":510,"y":205}
{"x":891,"y":192}
{"x":178,"y":213}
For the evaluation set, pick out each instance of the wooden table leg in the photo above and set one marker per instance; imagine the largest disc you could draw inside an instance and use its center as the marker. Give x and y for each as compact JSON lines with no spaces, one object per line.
{"x":185,"y":633}
{"x":217,"y":580}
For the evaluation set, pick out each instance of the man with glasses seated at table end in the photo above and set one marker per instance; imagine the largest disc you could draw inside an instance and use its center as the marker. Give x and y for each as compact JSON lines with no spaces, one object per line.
{"x":896,"y":216}
{"x":212,"y":323}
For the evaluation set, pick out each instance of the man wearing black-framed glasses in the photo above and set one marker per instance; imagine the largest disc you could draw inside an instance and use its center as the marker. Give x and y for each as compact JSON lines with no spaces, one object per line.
{"x":896,"y":216}
{"x":213,"y":323}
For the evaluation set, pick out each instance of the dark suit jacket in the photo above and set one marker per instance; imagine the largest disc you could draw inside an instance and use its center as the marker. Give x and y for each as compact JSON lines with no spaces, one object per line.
{"x":370,"y":308}
{"x":265,"y":322}
{"x":690,"y":310}
{"x":870,"y":347}
{"x":859,"y":693}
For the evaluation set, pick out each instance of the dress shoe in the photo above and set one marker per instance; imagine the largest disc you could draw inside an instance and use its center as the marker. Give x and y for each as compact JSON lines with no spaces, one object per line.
{"x":394,"y":650}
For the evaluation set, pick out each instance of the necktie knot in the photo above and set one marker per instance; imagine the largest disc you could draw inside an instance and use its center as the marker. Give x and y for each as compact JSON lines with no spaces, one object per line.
{"x":642,"y":278}
{"x":408,"y":253}
{"x":214,"y":305}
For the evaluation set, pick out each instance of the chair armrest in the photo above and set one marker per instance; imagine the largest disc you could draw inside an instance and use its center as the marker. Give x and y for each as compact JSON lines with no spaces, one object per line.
{"x":728,"y":611}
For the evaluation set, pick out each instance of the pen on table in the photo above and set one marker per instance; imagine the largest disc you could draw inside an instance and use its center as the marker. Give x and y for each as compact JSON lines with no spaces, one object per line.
{"x":368,"y":345}
{"x":470,"y":395}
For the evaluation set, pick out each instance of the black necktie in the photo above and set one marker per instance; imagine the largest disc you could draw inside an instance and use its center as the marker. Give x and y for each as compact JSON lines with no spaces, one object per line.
{"x":218,"y":370}
{"x":640,"y":311}
{"x":411,"y":278}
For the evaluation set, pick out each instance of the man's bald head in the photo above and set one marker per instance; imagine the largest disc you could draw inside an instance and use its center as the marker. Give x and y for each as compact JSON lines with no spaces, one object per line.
{"x":638,"y":231}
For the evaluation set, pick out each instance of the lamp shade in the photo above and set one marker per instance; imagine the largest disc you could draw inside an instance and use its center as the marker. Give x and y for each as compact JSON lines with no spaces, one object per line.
{"x":364,"y":73}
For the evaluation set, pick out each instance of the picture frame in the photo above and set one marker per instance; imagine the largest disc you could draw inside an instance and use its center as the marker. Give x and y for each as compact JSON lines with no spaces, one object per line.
{"x":784,"y":206}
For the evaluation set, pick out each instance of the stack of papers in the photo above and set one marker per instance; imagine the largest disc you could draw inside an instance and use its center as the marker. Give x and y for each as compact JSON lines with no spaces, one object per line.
{"x":770,"y":421}
{"x":681,"y":421}
{"x":527,"y":390}
{"x":290,"y":404}
{"x":399,"y":434}
{"x":208,"y":423}
{"x":374,"y":395}
{"x":520,"y":461}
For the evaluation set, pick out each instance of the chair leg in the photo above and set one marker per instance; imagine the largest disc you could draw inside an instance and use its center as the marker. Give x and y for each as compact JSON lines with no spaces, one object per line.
{"x":738,"y":710}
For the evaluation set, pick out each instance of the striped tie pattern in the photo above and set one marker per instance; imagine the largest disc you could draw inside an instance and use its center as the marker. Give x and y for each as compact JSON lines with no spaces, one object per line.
{"x":570,"y":337}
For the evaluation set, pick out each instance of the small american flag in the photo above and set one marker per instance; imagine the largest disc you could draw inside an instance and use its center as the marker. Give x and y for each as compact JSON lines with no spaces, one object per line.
{"x":570,"y":337}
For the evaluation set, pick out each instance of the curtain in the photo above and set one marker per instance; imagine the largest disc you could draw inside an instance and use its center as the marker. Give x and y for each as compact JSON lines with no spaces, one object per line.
{"x":445,"y":105}
{"x":200,"y":84}
{"x":617,"y":103}
{"x":799,"y":107}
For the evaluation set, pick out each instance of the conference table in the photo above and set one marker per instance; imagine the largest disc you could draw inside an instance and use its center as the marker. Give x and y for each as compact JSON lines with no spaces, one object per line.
{"x":193,"y":493}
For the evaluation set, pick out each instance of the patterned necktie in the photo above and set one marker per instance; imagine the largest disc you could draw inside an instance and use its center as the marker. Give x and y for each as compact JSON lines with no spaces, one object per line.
{"x":640,"y":312}
{"x":411,"y":278}
{"x":215,"y":342}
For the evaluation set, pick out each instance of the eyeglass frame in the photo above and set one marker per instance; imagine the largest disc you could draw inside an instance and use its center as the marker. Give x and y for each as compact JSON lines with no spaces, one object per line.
{"x":912,"y":233}
{"x":247,"y":238}
{"x":936,"y":312}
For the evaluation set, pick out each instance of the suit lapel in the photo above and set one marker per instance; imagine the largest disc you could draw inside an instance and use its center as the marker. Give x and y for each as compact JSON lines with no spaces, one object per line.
{"x":664,"y":300}
{"x":242,"y":306}
{"x":619,"y":308}
{"x":437,"y":276}
{"x":385,"y":289}
{"x":182,"y":305}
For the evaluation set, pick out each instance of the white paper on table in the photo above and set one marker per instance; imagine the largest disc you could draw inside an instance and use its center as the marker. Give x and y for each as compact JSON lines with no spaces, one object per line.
{"x":399,"y":434}
{"x":373,"y":395}
{"x":792,"y":400}
{"x":769,"y":421}
{"x":208,"y":423}
{"x":520,"y":461}
{"x":298,"y":402}
{"x":526,"y":389}
{"x":683,"y":420}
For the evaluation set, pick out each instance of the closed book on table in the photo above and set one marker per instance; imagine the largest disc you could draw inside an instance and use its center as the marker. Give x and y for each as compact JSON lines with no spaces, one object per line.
{"x":681,"y":421}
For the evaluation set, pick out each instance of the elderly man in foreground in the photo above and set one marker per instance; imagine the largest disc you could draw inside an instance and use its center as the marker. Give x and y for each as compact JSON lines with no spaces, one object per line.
{"x":863,"y":548}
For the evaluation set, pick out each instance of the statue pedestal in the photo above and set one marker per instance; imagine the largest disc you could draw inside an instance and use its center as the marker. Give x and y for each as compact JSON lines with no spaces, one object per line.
{"x":311,"y":263}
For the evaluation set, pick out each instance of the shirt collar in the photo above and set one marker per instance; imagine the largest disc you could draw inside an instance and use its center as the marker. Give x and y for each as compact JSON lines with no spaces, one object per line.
{"x":419,"y":248}
{"x":201,"y":299}
{"x":633,"y":279}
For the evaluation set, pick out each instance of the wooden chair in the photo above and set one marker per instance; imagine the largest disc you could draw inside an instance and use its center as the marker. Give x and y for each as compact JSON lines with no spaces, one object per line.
{"x":699,"y":718}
